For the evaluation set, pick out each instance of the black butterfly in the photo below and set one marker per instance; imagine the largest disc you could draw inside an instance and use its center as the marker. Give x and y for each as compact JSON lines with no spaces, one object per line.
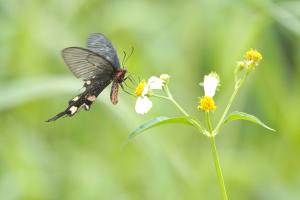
{"x":98,"y":66}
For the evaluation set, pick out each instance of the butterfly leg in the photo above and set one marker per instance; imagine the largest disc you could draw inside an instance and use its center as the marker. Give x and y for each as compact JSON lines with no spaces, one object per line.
{"x":122,"y":86}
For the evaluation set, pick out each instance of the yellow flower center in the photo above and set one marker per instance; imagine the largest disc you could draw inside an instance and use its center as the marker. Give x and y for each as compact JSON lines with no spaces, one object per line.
{"x":253,"y":55}
{"x":140,"y":88}
{"x":207,"y":104}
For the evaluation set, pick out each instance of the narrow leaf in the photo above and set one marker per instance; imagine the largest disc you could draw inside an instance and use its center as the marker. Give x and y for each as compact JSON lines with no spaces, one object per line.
{"x":157,"y":122}
{"x":244,"y":116}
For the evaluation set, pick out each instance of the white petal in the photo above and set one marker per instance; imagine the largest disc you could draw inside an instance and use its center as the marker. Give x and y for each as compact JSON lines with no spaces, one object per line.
{"x":155,"y":83}
{"x":146,"y":90}
{"x":210,"y":84}
{"x":143,"y":105}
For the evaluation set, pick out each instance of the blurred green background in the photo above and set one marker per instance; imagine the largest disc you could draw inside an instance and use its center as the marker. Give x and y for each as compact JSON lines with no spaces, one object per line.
{"x":83,"y":157}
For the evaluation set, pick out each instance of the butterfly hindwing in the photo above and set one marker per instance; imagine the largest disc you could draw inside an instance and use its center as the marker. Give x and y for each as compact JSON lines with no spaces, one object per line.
{"x":85,"y":64}
{"x":93,"y":88}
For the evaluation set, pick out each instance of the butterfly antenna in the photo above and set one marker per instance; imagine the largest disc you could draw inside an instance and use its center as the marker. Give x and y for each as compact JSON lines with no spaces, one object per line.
{"x":124,"y":57}
{"x":131,"y":53}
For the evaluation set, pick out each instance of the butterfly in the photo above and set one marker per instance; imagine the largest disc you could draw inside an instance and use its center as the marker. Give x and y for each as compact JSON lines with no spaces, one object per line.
{"x":97,"y":65}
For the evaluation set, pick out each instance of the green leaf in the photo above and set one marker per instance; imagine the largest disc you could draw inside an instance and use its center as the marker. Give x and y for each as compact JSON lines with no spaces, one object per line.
{"x":244,"y":116}
{"x":157,"y":122}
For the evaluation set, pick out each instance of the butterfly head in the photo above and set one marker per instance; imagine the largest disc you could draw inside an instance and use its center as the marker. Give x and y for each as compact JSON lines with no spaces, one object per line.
{"x":120,"y":75}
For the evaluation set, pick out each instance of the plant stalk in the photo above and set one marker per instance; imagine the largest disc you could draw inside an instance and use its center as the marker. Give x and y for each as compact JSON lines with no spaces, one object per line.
{"x":170,"y":98}
{"x":216,"y":158}
{"x":237,"y":86}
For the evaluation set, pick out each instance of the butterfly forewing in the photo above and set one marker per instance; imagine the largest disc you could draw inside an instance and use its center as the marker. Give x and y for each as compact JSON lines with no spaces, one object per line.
{"x":85,"y":64}
{"x":99,"y":44}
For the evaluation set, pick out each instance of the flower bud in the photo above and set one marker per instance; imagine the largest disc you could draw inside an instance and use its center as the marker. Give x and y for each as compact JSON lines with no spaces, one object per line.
{"x":165,"y":77}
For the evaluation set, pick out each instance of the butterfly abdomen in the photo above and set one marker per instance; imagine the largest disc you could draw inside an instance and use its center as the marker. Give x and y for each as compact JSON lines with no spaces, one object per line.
{"x":117,"y":79}
{"x":114,"y":93}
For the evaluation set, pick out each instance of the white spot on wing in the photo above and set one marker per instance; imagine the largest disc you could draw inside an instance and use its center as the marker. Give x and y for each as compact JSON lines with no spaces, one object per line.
{"x":73,"y":109}
{"x":91,"y":98}
{"x":88,"y":82}
{"x":86,"y":107}
{"x":75,"y":98}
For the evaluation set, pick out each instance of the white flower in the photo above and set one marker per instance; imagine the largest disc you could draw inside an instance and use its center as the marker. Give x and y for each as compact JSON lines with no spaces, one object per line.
{"x":143,"y":103}
{"x":155,"y":83}
{"x":210,"y":84}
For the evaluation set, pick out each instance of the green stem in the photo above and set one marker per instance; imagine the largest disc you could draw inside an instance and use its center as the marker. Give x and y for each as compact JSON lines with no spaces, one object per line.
{"x":160,"y":96}
{"x":216,"y":158}
{"x":218,"y":167}
{"x":174,"y":101}
{"x":196,"y":123}
{"x":170,"y":98}
{"x":237,"y":86}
